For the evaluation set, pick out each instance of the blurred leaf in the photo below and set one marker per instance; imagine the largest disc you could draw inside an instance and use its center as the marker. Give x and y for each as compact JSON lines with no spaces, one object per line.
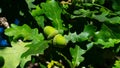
{"x":37,"y":48}
{"x":83,"y":36}
{"x":53,"y":12}
{"x":89,"y":29}
{"x":89,"y":46}
{"x":117,"y":12}
{"x":42,"y":66}
{"x":12,"y":55}
{"x":77,"y":53}
{"x":37,"y":11}
{"x":118,"y":49}
{"x":109,"y":43}
{"x":105,"y":33}
{"x":107,"y":36}
{"x":100,"y":1}
{"x":116,"y":4}
{"x":87,"y":32}
{"x":30,"y":4}
{"x":117,"y":64}
{"x":102,"y":17}
{"x":115,"y":20}
{"x":0,"y":10}
{"x":72,"y":37}
{"x":83,"y":12}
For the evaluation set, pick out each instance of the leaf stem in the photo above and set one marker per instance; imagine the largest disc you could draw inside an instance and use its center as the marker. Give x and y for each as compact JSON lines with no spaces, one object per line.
{"x":70,"y":64}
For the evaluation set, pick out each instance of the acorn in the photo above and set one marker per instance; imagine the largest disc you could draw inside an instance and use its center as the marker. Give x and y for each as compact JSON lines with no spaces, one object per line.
{"x":59,"y":41}
{"x":50,"y":31}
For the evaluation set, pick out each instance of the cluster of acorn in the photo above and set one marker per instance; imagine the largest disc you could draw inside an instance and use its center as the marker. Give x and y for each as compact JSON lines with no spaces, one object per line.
{"x":58,"y":39}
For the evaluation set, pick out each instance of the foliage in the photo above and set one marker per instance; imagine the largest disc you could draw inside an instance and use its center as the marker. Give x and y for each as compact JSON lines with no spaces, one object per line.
{"x":13,"y":54}
{"x":117,"y":63}
{"x":87,"y":34}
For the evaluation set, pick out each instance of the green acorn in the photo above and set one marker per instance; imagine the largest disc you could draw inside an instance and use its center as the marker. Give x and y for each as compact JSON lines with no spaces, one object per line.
{"x":50,"y":31}
{"x":59,"y":41}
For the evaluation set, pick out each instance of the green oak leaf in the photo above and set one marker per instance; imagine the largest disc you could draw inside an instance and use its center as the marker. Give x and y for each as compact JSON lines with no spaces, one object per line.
{"x":53,"y":11}
{"x":36,"y":48}
{"x":77,"y":53}
{"x":88,"y":32}
{"x":12,"y":55}
{"x":37,"y":14}
{"x":18,"y":31}
{"x":24,"y":60}
{"x":40,"y":21}
{"x":25,"y":32}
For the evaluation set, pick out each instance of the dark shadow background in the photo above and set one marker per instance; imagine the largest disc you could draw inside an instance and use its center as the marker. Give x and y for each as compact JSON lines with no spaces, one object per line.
{"x":11,"y":10}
